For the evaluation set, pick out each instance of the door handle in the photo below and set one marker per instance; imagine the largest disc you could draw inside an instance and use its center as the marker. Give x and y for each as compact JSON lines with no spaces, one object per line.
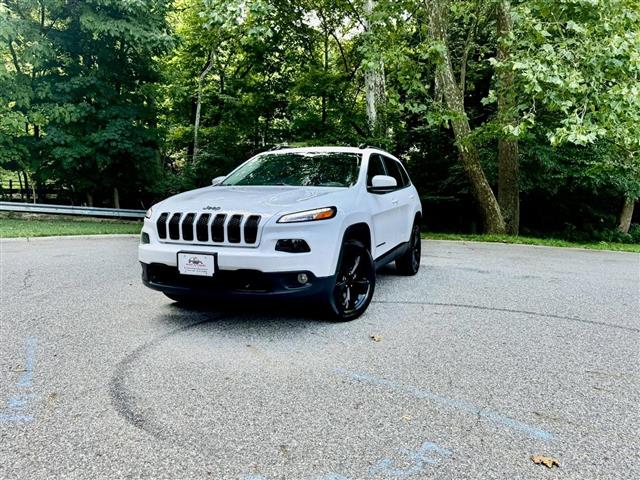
{"x":394,"y":201}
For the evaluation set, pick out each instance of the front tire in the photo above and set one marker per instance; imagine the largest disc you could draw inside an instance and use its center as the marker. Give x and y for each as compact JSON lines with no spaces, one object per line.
{"x":409,"y":263}
{"x":355,"y":282}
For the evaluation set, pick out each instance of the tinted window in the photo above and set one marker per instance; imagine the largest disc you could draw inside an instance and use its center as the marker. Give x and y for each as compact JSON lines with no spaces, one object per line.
{"x":396,"y":171}
{"x":375,"y":167}
{"x":300,"y":169}
{"x":405,"y":175}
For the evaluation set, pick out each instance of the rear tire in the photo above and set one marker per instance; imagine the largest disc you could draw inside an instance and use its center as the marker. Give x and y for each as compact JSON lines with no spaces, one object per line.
{"x":354,"y":283}
{"x":409,"y":263}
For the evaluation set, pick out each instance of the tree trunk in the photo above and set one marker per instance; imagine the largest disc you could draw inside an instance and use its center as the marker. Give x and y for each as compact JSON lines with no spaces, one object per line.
{"x":480,"y":188}
{"x":626,"y":214}
{"x":508,"y":168}
{"x":89,"y":200}
{"x":374,"y":82}
{"x":116,"y":198}
{"x":196,"y":127}
{"x":326,"y":67}
{"x":22,"y":188}
{"x":28,"y":182}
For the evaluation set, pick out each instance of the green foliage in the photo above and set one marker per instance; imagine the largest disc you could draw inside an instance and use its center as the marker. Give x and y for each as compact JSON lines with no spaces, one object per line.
{"x":577,"y":64}
{"x":75,"y":91}
{"x":103,"y":93}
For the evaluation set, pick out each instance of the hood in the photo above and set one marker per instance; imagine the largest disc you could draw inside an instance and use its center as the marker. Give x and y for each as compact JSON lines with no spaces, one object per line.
{"x":264,"y":201}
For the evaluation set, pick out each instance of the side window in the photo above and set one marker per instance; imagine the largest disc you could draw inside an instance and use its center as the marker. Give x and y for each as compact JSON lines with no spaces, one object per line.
{"x":396,"y":171}
{"x":405,"y":175}
{"x":375,"y":167}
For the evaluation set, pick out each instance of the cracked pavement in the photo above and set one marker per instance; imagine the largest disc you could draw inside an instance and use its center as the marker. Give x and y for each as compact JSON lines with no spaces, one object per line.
{"x":492,"y":354}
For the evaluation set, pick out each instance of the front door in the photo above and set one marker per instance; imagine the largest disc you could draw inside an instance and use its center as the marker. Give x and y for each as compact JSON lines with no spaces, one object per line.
{"x":403,"y":200}
{"x":384,"y":210}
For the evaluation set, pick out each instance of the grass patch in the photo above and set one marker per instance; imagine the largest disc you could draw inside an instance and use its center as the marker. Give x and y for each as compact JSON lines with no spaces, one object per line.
{"x":547,"y":242}
{"x":13,"y":225}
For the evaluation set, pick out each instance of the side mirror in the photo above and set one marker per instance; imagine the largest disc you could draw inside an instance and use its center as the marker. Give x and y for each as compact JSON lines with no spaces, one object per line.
{"x":217,"y":180}
{"x":383,"y":184}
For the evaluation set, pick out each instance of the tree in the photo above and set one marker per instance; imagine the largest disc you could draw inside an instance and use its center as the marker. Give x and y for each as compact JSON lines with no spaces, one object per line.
{"x":579,"y":62}
{"x":80,"y":74}
{"x":508,"y":168}
{"x":482,"y":192}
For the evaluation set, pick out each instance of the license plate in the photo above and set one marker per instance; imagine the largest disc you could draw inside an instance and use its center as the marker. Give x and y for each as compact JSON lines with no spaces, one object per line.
{"x":196,"y":264}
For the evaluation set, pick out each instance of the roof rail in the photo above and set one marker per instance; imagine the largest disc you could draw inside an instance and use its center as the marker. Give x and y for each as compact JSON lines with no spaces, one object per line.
{"x":279,"y":146}
{"x":362,"y":146}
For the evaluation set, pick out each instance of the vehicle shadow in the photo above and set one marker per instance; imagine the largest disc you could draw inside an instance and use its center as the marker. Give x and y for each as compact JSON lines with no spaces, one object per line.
{"x":257,"y":311}
{"x":252,"y":313}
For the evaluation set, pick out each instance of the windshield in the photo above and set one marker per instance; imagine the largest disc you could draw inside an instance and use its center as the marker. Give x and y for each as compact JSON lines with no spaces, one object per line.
{"x":300,"y":169}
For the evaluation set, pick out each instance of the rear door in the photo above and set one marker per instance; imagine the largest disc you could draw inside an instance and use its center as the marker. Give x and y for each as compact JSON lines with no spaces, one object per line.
{"x":383,"y":208}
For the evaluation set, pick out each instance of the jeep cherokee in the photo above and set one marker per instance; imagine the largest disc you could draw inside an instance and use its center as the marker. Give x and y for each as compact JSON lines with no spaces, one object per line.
{"x":295,"y":223}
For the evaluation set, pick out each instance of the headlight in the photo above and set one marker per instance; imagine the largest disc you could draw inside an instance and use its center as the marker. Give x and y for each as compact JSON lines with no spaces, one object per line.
{"x":309,"y":215}
{"x":149,"y":213}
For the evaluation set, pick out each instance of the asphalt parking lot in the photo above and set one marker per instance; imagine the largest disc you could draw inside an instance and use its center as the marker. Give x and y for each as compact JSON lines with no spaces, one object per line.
{"x":492,"y":354}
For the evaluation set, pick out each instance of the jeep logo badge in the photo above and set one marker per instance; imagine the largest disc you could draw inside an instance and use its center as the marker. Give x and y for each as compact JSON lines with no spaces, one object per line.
{"x":209,"y":207}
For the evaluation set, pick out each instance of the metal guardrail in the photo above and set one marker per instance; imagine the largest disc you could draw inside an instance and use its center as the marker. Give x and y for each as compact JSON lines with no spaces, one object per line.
{"x":70,"y":210}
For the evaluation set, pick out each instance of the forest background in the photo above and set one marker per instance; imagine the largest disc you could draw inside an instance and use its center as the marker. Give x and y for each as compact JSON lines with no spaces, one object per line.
{"x":512,"y":117}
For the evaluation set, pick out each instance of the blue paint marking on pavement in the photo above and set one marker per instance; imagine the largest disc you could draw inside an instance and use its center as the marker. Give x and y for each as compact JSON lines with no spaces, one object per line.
{"x":26,"y":379}
{"x":422,"y":457}
{"x":18,"y":403}
{"x":461,"y":405}
{"x":8,"y":418}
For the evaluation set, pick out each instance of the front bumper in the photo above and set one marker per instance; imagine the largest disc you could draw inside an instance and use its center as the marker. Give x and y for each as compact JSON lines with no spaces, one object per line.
{"x":235,"y":283}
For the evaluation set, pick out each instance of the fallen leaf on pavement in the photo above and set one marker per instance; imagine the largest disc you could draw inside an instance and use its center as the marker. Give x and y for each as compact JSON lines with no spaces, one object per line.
{"x":406,"y":418}
{"x":548,"y":462}
{"x":376,"y":338}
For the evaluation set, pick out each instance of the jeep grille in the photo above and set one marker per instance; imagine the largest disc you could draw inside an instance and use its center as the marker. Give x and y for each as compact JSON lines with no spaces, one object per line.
{"x":221,"y":228}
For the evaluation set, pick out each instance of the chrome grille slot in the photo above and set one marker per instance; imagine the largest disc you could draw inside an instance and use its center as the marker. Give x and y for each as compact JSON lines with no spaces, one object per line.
{"x":202,"y":227}
{"x":174,"y":226}
{"x":187,"y":227}
{"x":233,"y":229}
{"x":161,"y":225}
{"x":251,"y":229}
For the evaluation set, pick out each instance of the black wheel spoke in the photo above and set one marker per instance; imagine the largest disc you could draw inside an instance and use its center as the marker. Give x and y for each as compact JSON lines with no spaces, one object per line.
{"x":361,"y":286}
{"x":356,"y":264}
{"x":347,"y":297}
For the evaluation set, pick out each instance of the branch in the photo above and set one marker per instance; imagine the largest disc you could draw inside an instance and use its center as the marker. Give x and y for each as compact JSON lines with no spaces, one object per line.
{"x":358,"y":18}
{"x":42,"y":12}
{"x":468,"y":48}
{"x":344,"y":58}
{"x":14,"y":56}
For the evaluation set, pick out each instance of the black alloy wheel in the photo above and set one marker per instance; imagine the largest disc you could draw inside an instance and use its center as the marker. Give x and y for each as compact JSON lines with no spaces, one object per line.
{"x":355,"y":282}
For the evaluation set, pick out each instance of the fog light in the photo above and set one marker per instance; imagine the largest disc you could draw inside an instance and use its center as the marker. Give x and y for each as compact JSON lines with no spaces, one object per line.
{"x":302,"y":278}
{"x":144,"y":238}
{"x":292,"y":245}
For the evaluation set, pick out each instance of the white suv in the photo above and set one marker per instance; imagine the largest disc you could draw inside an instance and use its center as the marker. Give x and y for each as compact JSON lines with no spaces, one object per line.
{"x":295,"y":223}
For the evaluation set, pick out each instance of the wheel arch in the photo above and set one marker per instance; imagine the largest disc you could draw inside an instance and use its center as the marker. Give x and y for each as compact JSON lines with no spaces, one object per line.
{"x":359,"y":231}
